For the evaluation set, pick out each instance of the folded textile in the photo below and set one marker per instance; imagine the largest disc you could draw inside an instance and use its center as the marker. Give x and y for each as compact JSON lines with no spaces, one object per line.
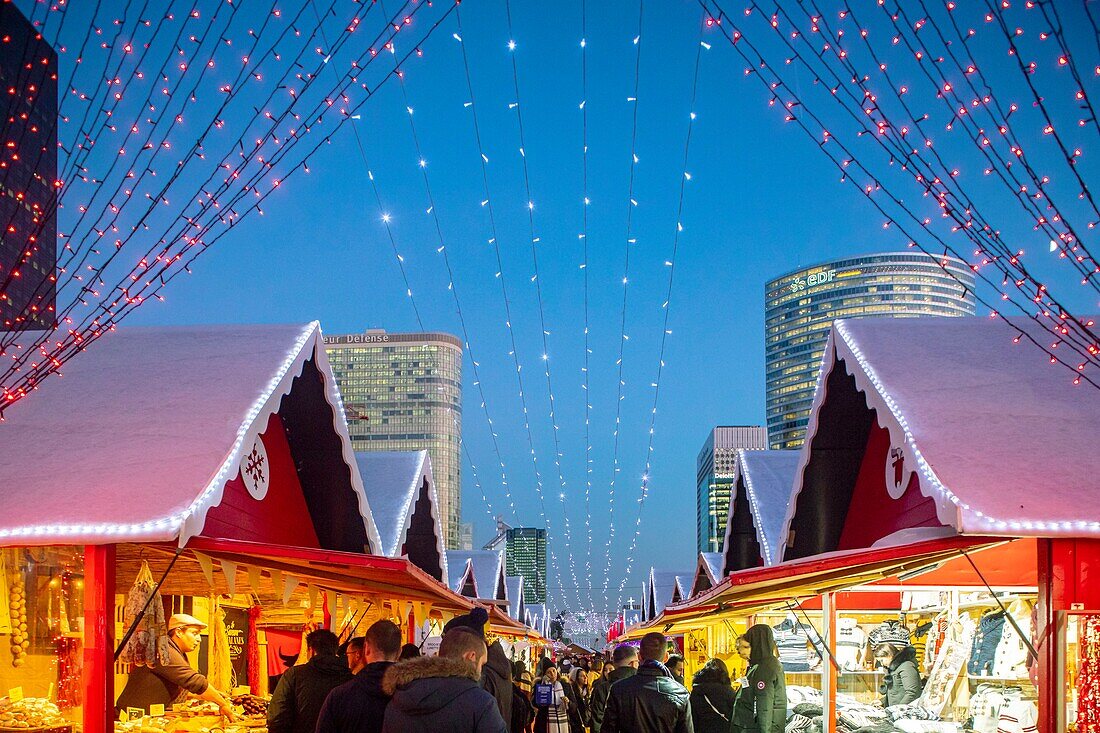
{"x":926,"y":726}
{"x":798,"y":724}
{"x":809,"y":709}
{"x":910,"y":712}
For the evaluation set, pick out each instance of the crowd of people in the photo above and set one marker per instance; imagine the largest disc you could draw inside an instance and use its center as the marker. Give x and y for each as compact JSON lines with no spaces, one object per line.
{"x":381,"y":686}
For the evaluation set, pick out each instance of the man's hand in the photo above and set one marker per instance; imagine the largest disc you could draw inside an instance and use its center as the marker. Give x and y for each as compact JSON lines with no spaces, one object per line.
{"x":226,"y":709}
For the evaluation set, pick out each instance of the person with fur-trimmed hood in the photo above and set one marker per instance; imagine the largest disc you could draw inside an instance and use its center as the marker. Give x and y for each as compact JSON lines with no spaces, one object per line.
{"x":443,"y":694}
{"x":496,"y":675}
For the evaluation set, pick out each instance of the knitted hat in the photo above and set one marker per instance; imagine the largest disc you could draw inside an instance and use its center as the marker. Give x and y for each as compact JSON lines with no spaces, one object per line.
{"x":890,"y":632}
{"x":475,"y":620}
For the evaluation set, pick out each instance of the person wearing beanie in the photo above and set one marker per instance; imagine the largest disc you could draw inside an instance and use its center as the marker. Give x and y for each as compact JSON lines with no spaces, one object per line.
{"x":761,"y":703}
{"x":496,"y":674}
{"x":894,"y":653}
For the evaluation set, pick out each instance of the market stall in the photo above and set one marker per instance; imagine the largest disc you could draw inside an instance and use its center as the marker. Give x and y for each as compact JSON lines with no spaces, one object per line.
{"x":205,"y":471}
{"x":925,"y":497}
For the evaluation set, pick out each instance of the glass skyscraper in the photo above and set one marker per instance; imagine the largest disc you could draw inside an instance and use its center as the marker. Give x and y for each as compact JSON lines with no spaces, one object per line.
{"x":526,"y":555}
{"x":403,"y":392}
{"x":714,"y":479}
{"x":800,"y":307}
{"x":28,"y":194}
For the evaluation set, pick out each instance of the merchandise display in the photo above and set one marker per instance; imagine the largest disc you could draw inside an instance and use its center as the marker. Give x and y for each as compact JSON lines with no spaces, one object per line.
{"x":30,"y":712}
{"x":41,"y":640}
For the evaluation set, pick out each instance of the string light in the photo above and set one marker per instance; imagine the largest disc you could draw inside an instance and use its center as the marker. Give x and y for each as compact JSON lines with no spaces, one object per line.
{"x":534,"y":238}
{"x":666,"y":305}
{"x":257,"y":175}
{"x":629,"y":240}
{"x":501,"y":276}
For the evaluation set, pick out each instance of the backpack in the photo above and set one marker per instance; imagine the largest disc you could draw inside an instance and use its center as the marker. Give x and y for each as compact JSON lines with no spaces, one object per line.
{"x":523,"y":713}
{"x":544,"y":695}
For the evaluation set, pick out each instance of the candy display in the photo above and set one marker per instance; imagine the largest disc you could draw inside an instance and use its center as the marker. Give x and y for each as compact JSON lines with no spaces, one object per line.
{"x":252,"y":704}
{"x":30,"y":712}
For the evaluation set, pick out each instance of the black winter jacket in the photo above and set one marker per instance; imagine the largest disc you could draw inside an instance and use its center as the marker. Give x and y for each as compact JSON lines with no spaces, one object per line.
{"x":496,"y":679}
{"x":357,"y":706}
{"x":648,"y":702}
{"x":301,"y":691}
{"x":902,"y":684}
{"x":761,"y":703}
{"x":438,"y":695}
{"x":711,"y":707}
{"x":601,"y":688}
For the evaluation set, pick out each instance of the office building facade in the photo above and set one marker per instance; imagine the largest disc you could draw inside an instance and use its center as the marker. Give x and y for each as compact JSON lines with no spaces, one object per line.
{"x":525,"y":555}
{"x":403,"y":392}
{"x":800,"y":307}
{"x":28,"y":173}
{"x":714,"y":479}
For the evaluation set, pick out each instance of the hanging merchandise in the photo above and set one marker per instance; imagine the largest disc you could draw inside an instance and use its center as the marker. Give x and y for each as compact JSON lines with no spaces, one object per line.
{"x":150,"y":640}
{"x":253,"y":642}
{"x":220,"y":671}
{"x":17,"y":607}
{"x":1088,"y":676}
{"x":70,"y":669}
{"x":5,"y":600}
{"x":949,"y":666}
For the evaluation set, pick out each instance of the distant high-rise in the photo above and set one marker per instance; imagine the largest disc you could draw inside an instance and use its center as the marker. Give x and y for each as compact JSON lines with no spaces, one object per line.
{"x":466,"y":536}
{"x":403,"y":392}
{"x":801,"y":306}
{"x":714,"y":479}
{"x":526,"y":555}
{"x":28,"y":174}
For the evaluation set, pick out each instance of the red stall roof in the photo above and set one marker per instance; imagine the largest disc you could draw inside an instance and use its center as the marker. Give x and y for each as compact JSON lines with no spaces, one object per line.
{"x":997,"y":435}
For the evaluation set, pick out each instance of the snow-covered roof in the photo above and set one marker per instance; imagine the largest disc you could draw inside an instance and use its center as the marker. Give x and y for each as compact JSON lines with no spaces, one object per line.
{"x":708,"y":572}
{"x":767,"y":477}
{"x":513,"y":587}
{"x":998,"y":437}
{"x":138,"y":440}
{"x":663,"y":586}
{"x":484,"y":566}
{"x":537,"y":617}
{"x":393,"y":481}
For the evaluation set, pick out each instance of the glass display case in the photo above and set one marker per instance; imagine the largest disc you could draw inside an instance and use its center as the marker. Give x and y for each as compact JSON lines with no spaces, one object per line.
{"x":41,"y":636}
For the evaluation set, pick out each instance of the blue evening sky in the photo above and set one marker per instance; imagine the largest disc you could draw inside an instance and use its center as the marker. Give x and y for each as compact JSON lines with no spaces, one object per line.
{"x":762,"y":200}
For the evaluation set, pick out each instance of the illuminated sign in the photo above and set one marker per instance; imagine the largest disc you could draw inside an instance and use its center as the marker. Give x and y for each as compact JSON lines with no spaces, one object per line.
{"x":359,"y":338}
{"x":810,"y":281}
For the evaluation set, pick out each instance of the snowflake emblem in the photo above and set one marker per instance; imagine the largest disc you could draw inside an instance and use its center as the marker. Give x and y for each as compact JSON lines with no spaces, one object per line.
{"x":255,"y":471}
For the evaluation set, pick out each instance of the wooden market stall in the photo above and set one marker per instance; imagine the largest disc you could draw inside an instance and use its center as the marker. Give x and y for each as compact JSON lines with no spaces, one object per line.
{"x":216,"y":457}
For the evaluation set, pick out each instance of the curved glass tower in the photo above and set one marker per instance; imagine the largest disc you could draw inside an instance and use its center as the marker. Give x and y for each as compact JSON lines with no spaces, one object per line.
{"x":800,"y":306}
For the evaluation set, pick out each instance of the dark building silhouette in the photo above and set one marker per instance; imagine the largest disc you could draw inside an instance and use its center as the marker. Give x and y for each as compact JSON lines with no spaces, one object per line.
{"x":28,"y":174}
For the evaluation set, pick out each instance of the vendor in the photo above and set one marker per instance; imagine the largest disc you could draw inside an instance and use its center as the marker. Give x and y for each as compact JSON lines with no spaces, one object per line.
{"x":171,"y":682}
{"x":895,"y":653}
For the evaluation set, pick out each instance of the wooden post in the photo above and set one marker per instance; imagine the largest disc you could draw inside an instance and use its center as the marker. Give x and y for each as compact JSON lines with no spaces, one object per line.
{"x":829,"y":673}
{"x":99,"y":638}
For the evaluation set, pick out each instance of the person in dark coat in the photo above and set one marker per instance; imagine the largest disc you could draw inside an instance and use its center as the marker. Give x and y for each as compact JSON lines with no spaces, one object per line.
{"x":712,"y":698}
{"x":625,"y":660}
{"x":172,"y":680}
{"x":895,"y":653}
{"x":359,"y":706}
{"x":442,"y":694}
{"x":649,"y":701}
{"x":761,"y":703}
{"x":302,"y":689}
{"x":496,"y":675}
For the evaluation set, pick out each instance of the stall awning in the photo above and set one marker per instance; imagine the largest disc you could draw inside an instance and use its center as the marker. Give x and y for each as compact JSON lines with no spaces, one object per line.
{"x":763,"y":588}
{"x":343,"y":572}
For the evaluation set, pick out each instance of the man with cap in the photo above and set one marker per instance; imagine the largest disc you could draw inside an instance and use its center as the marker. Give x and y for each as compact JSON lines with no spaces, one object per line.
{"x":172,"y":681}
{"x":496,"y":674}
